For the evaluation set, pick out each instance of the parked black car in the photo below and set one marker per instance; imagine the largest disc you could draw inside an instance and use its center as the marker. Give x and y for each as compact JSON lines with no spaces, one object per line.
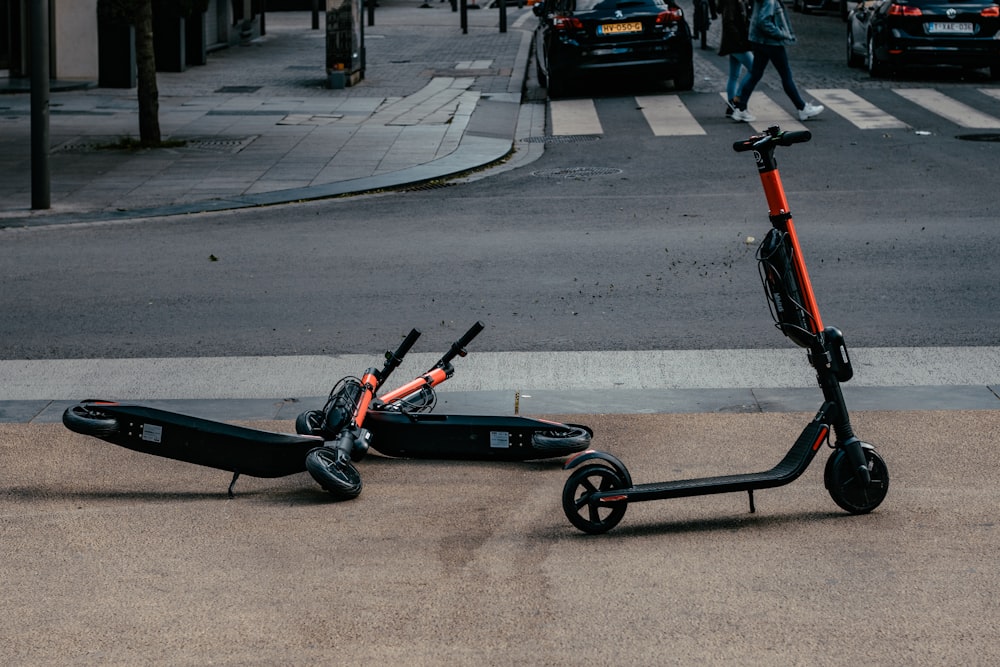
{"x":575,"y":37}
{"x":883,"y":34}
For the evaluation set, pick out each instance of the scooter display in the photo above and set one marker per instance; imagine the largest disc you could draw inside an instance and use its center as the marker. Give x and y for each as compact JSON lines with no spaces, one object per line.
{"x":597,"y":493}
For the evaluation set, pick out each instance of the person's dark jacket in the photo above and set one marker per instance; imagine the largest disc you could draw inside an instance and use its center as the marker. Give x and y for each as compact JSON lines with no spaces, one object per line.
{"x":735,"y":22}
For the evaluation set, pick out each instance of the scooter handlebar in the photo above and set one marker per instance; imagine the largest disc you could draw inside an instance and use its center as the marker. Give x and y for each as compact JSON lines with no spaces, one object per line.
{"x":394,"y":359}
{"x":458,"y":347}
{"x":773,"y":136}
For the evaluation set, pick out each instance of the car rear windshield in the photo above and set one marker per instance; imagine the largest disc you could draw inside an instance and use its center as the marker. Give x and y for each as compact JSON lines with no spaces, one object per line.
{"x":612,"y":5}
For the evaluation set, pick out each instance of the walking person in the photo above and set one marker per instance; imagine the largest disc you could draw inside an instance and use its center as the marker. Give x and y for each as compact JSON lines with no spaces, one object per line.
{"x":770,"y":31}
{"x":734,"y":43}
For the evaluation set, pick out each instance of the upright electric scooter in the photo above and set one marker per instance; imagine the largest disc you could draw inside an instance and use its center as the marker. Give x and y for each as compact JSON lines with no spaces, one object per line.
{"x":596,"y":495}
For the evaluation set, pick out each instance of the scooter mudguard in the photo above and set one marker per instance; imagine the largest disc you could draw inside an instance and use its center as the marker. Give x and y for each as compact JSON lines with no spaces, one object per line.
{"x":469,"y":437}
{"x":613,"y":461}
{"x":238,"y":449}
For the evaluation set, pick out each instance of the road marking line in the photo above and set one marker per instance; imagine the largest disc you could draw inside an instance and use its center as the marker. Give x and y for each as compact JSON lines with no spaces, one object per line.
{"x":574,"y":117}
{"x":769,"y":114}
{"x":667,"y":116}
{"x":948,"y":108}
{"x":862,"y":113}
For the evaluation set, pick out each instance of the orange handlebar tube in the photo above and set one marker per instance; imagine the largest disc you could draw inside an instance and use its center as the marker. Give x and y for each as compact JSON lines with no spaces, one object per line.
{"x":432,"y":378}
{"x":778,"y":206}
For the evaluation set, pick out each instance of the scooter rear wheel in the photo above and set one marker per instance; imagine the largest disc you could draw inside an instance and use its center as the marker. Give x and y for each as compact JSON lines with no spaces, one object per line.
{"x":847,"y":490}
{"x":89,"y":419}
{"x":581,"y":485}
{"x":334,"y":474}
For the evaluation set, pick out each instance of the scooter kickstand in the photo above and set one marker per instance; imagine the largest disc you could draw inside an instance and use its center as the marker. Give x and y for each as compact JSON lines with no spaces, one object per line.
{"x":753,"y":508}
{"x":236,"y":476}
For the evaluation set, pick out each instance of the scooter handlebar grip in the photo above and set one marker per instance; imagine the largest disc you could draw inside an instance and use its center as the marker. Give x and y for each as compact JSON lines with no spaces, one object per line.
{"x":407,"y":343}
{"x":789,"y":138}
{"x":474,"y":331}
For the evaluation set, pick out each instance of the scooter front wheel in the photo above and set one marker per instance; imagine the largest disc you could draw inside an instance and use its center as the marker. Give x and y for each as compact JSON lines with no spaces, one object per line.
{"x":561,"y":439}
{"x":89,"y":419}
{"x":849,"y":492}
{"x":593,"y":518}
{"x":333,"y":473}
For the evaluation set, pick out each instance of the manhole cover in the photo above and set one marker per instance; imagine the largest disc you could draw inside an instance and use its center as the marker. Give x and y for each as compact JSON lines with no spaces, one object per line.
{"x":238,"y":89}
{"x":576,"y":172}
{"x":562,"y":139}
{"x":980,"y":137}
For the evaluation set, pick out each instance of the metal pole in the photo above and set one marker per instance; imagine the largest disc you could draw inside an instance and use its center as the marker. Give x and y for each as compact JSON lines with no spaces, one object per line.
{"x":503,"y":15}
{"x":315,"y":14}
{"x":463,"y":16}
{"x":41,"y":197}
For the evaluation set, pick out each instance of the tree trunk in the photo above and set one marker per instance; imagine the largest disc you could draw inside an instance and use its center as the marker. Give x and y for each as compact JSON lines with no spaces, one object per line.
{"x":149,"y":96}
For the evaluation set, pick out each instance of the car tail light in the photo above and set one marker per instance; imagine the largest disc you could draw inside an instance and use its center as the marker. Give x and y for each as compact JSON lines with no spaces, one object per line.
{"x":991,"y":12}
{"x":672,"y":15}
{"x":904,"y":10}
{"x":567,"y":23}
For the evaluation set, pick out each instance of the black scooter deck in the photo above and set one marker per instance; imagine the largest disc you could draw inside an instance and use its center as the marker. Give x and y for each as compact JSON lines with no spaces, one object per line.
{"x":788,"y":470}
{"x":461,"y":437}
{"x":238,"y":449}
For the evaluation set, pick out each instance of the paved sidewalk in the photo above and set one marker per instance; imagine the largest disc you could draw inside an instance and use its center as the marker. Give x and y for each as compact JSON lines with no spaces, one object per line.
{"x":262,"y":127}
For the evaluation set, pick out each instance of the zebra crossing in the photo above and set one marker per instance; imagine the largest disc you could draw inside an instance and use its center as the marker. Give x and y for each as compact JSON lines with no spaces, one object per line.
{"x":674,"y":115}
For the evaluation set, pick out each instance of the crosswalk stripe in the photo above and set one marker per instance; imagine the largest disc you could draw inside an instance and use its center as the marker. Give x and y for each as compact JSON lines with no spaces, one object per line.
{"x":572,"y":117}
{"x":768,"y":114}
{"x":948,"y":108}
{"x":862,"y":113}
{"x":992,"y":92}
{"x":667,"y":116}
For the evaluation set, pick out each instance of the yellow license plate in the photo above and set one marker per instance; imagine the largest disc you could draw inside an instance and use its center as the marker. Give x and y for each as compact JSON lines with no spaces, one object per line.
{"x":619,"y":28}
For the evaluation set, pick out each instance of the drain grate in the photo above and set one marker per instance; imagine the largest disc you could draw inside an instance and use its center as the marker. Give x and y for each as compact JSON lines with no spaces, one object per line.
{"x":237,"y":89}
{"x":230,"y":145}
{"x":576,"y":172}
{"x":980,"y":137}
{"x":561,"y":139}
{"x":220,"y":144}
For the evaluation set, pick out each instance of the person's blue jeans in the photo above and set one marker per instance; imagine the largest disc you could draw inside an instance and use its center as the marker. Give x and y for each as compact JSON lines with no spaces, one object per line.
{"x":738,"y":61}
{"x":762,"y":55}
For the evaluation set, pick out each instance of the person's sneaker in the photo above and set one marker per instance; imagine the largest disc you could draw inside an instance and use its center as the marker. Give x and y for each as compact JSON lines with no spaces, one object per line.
{"x":810,"y":110}
{"x":743,"y":116}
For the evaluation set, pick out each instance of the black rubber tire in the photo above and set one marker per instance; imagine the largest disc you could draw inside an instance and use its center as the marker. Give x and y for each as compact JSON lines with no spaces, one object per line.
{"x":847,"y":491}
{"x":88,"y":419}
{"x":853,"y":59}
{"x":340,"y":478}
{"x":876,"y":68}
{"x":685,"y":80}
{"x":309,"y":422}
{"x":561,"y":440}
{"x":577,"y":490}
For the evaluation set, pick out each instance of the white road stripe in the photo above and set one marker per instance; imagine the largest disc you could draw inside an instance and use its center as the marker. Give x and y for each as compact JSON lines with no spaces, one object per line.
{"x":574,"y":117}
{"x":268,"y":377}
{"x":667,"y":116}
{"x":948,"y":108}
{"x":769,"y":114}
{"x":862,"y":113}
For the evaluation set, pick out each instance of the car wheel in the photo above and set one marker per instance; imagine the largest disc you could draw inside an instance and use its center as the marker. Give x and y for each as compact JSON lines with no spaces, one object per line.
{"x":876,"y":68}
{"x":853,"y":58}
{"x":684,"y":79}
{"x":540,"y":74}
